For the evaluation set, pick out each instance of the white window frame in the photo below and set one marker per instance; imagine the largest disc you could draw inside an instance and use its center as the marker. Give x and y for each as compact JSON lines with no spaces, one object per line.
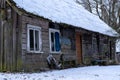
{"x":53,"y":30}
{"x":34,"y":28}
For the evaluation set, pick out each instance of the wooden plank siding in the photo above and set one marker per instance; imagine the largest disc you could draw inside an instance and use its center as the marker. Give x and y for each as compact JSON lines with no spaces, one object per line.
{"x":8,"y":36}
{"x":2,"y":17}
{"x":68,"y":46}
{"x":1,"y":37}
{"x":96,"y":46}
{"x":35,"y":61}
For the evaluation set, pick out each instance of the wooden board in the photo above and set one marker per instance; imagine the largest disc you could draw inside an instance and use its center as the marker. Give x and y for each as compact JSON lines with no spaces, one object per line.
{"x":79,"y":48}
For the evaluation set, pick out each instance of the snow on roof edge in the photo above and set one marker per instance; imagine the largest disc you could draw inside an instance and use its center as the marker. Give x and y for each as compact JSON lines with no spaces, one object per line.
{"x":63,"y":20}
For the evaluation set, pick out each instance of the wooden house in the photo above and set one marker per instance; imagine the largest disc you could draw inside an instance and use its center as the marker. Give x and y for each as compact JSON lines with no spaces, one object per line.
{"x":31,"y":30}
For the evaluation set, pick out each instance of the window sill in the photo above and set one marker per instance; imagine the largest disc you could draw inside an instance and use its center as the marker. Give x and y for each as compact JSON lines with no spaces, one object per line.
{"x":55,"y":52}
{"x":35,"y":52}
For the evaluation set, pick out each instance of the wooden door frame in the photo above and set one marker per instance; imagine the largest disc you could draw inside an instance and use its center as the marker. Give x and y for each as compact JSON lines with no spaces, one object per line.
{"x":79,"y":50}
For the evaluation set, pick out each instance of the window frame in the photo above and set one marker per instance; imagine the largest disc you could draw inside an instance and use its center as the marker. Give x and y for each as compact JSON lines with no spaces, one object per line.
{"x":53,"y":30}
{"x":34,"y":28}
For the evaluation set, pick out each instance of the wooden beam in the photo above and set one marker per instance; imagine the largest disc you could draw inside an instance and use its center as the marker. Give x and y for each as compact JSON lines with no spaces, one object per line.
{"x":14,"y":7}
{"x":2,"y":17}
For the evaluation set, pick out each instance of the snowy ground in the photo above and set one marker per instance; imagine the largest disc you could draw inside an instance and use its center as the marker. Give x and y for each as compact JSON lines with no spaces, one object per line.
{"x":82,"y":73}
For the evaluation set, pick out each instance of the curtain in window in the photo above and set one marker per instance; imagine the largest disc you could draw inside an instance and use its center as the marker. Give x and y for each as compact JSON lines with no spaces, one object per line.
{"x":57,"y":41}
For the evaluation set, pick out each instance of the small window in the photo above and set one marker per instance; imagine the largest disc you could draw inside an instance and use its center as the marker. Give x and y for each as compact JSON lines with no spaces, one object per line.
{"x":34,"y":38}
{"x":54,"y":36}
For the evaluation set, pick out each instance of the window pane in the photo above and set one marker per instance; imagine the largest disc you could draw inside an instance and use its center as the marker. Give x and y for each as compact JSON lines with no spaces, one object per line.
{"x":52,"y":42}
{"x":37,"y":40}
{"x":31,"y":34}
{"x":57,"y":41}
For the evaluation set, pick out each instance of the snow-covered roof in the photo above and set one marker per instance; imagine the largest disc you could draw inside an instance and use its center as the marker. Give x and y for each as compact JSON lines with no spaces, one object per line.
{"x":68,"y":12}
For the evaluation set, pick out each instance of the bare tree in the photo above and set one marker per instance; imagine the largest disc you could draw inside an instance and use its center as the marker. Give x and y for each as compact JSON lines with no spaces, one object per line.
{"x":107,"y":10}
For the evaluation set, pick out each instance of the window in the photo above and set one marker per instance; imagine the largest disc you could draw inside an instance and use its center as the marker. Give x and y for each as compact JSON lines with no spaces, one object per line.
{"x":54,"y":36}
{"x":34,"y":38}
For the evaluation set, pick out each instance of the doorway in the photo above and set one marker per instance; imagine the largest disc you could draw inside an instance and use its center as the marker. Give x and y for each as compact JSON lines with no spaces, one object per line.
{"x":79,"y":48}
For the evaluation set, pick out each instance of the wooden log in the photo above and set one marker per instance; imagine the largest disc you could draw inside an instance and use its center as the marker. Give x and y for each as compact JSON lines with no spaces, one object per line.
{"x":2,"y":17}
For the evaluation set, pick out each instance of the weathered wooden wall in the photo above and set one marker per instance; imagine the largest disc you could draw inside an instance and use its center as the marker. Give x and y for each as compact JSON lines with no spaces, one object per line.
{"x":37,"y":61}
{"x":96,"y":46}
{"x":68,"y":46}
{"x":8,"y":53}
{"x":34,"y":61}
{"x":1,"y":28}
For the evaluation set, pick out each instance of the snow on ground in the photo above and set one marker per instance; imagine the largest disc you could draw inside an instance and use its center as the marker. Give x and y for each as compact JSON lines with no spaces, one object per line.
{"x":81,"y":73}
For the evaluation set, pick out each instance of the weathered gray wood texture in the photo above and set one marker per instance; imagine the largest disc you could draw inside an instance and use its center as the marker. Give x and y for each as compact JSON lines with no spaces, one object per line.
{"x":96,"y":46}
{"x":8,"y":43}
